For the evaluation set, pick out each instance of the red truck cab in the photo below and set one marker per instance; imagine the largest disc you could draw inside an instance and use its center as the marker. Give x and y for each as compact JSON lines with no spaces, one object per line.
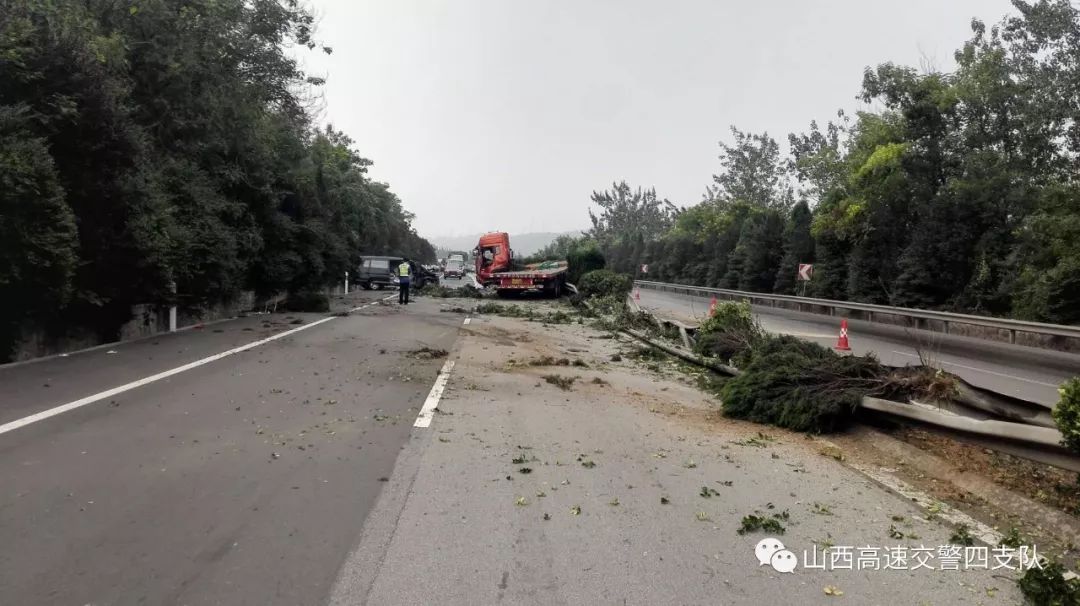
{"x":493,"y":255}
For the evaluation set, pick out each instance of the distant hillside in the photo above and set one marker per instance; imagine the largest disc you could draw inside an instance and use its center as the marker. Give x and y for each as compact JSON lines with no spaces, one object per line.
{"x":523,"y":244}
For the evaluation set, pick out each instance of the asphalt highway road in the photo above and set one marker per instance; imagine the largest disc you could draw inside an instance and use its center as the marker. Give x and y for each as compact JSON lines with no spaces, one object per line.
{"x":1023,"y":372}
{"x":245,"y":480}
{"x":273,"y":459}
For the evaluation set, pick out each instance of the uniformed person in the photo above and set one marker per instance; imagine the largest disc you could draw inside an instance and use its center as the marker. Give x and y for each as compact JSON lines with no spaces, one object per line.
{"x":404,"y":272}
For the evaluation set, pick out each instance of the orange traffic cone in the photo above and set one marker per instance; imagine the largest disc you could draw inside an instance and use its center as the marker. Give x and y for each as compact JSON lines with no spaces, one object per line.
{"x":712,"y":307}
{"x":842,"y":342}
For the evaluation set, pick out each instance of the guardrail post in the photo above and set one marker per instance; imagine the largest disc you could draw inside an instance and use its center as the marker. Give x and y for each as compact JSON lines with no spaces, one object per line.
{"x":1012,"y":336}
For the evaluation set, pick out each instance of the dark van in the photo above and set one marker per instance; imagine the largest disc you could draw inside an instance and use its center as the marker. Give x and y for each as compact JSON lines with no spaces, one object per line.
{"x":379,"y":271}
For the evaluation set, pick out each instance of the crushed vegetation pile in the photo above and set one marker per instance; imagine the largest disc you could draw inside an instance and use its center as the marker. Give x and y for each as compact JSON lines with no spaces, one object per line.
{"x":524,"y":312}
{"x":1067,"y":413}
{"x":1048,"y":585}
{"x":815,"y":393}
{"x":800,"y":385}
{"x":442,"y":292}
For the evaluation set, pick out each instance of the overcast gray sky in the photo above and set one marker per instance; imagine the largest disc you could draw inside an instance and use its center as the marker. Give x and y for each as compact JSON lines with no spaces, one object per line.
{"x":505,"y":115}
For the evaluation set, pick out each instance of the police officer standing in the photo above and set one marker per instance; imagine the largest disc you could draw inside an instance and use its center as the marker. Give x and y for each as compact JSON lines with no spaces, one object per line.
{"x":404,"y":272}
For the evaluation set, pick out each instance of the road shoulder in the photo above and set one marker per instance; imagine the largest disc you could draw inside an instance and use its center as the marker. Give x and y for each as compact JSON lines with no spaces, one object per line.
{"x":635,"y":493}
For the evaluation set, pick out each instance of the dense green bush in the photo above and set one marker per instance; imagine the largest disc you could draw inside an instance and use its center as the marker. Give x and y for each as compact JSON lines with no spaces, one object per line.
{"x":1047,"y":586}
{"x":1067,"y":413}
{"x":584,"y":257}
{"x":729,"y":331}
{"x":603,"y":283}
{"x":731,"y":316}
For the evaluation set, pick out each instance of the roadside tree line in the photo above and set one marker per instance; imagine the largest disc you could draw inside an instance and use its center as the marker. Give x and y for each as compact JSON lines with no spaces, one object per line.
{"x":168,"y":146}
{"x":959,"y":191}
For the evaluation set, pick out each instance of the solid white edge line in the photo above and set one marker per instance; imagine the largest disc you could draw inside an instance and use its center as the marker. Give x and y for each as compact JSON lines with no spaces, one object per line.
{"x":432,"y":401}
{"x":52,"y":412}
{"x":983,"y":370}
{"x":386,"y":298}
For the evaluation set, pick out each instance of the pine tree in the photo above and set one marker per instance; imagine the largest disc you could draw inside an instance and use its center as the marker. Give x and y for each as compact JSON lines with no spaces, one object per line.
{"x":761,"y":251}
{"x":798,"y":248}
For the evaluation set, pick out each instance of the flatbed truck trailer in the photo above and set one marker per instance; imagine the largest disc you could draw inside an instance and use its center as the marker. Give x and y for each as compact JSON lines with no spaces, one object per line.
{"x":495,"y":267}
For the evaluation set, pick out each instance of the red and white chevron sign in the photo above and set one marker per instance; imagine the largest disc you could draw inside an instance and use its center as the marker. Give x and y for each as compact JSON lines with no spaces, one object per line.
{"x":806,"y":270}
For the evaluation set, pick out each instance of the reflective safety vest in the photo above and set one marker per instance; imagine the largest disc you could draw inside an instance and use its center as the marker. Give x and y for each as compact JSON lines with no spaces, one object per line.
{"x":403,"y":270}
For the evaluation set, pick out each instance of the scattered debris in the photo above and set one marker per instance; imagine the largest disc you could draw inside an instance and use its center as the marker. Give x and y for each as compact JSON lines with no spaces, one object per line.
{"x":962,"y":536}
{"x":428,"y":353}
{"x":665,"y":501}
{"x":442,"y":292}
{"x":752,"y":523}
{"x":563,"y":383}
{"x":521,"y":502}
{"x":761,"y":440}
{"x":1012,"y":538}
{"x":575,"y":510}
{"x":832,"y":451}
{"x":708,"y":492}
{"x":833,"y":591}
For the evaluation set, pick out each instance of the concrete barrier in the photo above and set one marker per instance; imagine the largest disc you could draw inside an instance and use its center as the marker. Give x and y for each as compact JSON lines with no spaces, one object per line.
{"x":146,"y":320}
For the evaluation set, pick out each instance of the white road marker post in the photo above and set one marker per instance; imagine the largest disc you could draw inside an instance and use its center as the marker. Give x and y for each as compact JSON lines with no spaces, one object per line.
{"x":172,"y":308}
{"x":346,"y":282}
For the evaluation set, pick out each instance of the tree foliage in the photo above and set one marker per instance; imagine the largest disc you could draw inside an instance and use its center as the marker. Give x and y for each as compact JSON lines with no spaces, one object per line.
{"x":167,"y":145}
{"x":958,"y":191}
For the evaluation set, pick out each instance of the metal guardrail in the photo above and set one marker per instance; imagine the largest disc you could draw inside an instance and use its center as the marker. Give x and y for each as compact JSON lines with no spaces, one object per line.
{"x":914,"y":318}
{"x":1034,"y":442}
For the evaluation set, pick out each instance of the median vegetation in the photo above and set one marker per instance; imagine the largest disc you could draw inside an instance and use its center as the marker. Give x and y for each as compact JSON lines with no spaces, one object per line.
{"x":949,"y":190}
{"x":163,"y":152}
